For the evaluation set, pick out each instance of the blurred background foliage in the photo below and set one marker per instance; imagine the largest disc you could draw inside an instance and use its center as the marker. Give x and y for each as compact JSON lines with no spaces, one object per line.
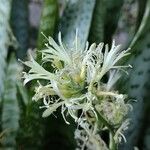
{"x":21,"y":24}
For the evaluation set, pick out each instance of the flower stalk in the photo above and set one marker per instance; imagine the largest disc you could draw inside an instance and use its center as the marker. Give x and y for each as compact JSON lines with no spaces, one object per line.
{"x":112,"y":144}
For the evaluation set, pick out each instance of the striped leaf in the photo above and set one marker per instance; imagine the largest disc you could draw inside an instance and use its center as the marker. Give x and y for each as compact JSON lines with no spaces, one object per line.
{"x":105,"y":20}
{"x":137,"y":87}
{"x":97,"y":27}
{"x":48,"y":23}
{"x":5,"y":7}
{"x":128,"y":22}
{"x":146,"y":145}
{"x":77,"y":15}
{"x":113,"y":10}
{"x":137,"y":84}
{"x":20,"y":25}
{"x":10,"y":108}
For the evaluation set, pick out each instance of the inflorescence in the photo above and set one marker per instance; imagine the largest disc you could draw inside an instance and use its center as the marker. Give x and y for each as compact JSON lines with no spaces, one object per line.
{"x":81,"y":82}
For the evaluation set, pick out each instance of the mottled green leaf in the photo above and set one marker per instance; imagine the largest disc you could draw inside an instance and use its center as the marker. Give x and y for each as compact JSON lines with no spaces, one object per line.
{"x":142,"y":27}
{"x":5,"y":6}
{"x":98,"y":21}
{"x":113,"y":9}
{"x":20,"y":25}
{"x":146,"y":139}
{"x":137,"y":85}
{"x":127,"y":24}
{"x":10,"y":108}
{"x":48,"y":22}
{"x":77,"y":16}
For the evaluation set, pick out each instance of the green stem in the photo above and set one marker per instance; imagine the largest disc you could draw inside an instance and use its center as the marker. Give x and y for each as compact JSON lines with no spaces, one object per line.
{"x":101,"y":119}
{"x":112,"y":144}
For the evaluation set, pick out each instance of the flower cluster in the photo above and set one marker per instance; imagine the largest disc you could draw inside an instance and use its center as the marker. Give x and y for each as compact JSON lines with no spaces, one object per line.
{"x":81,"y":82}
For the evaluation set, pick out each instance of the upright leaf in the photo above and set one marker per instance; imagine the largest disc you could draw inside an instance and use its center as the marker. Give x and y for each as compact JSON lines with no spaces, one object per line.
{"x":20,"y":25}
{"x":141,"y":8}
{"x":5,"y":6}
{"x":113,"y":9}
{"x":10,"y":108}
{"x":48,"y":22}
{"x":32,"y":127}
{"x":137,"y":88}
{"x":142,"y":27}
{"x":146,"y":139}
{"x":137,"y":84}
{"x":77,"y":15}
{"x":127,"y":24}
{"x":97,"y":26}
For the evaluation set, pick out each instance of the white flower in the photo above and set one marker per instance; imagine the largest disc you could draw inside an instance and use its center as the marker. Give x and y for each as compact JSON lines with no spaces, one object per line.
{"x":76,"y":79}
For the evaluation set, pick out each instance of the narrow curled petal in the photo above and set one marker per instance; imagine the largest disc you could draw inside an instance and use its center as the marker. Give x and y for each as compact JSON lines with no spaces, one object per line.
{"x":51,"y":109}
{"x":36,"y":72}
